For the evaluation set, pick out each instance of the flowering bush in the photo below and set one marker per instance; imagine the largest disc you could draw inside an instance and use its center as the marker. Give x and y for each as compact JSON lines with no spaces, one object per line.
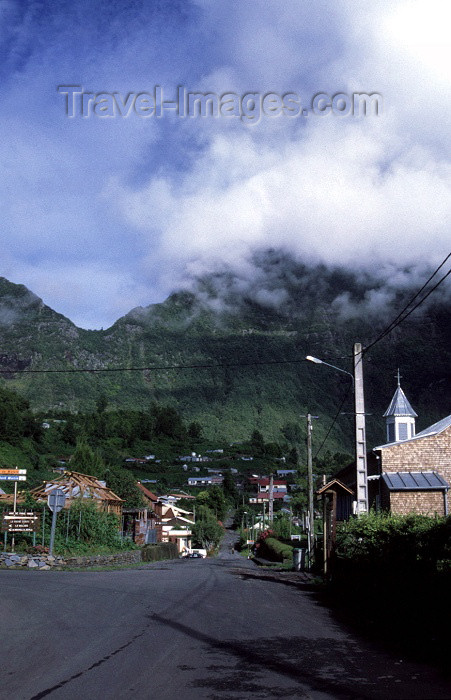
{"x":38,"y":549}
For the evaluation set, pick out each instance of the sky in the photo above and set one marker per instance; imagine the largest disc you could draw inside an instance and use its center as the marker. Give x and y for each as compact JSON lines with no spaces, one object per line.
{"x":116,"y":207}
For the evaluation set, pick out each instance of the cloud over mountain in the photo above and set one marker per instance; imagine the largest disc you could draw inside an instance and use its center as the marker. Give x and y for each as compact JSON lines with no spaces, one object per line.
{"x":101,"y":214}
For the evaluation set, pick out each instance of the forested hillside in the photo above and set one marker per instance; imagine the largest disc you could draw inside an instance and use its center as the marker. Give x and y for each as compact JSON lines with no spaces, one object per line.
{"x":206,"y":349}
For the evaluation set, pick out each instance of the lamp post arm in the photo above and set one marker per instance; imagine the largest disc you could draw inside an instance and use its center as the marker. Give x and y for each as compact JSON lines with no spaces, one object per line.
{"x":322,"y":362}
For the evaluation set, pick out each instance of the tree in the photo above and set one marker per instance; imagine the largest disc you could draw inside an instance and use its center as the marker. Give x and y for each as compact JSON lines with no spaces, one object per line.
{"x":168,"y":423}
{"x":292,"y":433}
{"x":207,"y":532}
{"x":230,"y":490}
{"x":123,"y":483}
{"x":16,"y":419}
{"x":101,"y":403}
{"x":86,"y":461}
{"x":216,"y":502}
{"x":239,"y":518}
{"x":299,"y":498}
{"x":257,"y":443}
{"x":69,"y":432}
{"x":330,"y":463}
{"x":195,"y":431}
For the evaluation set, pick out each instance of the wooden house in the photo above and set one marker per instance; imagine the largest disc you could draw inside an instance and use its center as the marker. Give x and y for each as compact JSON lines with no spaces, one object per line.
{"x":76,"y":485}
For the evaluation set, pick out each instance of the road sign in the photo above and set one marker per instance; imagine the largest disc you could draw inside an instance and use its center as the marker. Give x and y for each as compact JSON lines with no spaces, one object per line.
{"x":13,"y":471}
{"x":56,"y":500}
{"x":20,"y":522}
{"x":12,"y":477}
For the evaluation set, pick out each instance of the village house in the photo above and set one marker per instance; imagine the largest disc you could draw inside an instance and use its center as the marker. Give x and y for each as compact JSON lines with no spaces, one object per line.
{"x":142,"y":525}
{"x":162,"y":521}
{"x":209,"y":480}
{"x":280,"y":492}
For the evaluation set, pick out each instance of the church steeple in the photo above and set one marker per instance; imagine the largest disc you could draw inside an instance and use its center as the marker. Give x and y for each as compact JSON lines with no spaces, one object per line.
{"x":400,"y":416}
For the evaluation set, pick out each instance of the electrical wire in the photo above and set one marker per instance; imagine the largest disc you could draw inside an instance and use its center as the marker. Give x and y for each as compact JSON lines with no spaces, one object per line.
{"x":400,"y":317}
{"x":152,"y":368}
{"x":332,"y":424}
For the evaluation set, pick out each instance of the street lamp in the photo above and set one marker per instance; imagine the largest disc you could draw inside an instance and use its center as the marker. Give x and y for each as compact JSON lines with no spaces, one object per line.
{"x":359,"y":418}
{"x":317,"y":361}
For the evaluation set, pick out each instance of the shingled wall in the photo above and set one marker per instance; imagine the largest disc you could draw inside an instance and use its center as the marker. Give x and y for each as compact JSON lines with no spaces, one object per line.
{"x":431,"y":453}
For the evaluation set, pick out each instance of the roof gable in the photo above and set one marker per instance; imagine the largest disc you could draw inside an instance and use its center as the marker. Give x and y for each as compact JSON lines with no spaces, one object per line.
{"x":149,"y":495}
{"x":335,"y":484}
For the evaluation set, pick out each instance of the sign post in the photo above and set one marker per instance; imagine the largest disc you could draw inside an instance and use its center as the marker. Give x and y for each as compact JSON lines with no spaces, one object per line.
{"x":55,"y":502}
{"x":13,"y":474}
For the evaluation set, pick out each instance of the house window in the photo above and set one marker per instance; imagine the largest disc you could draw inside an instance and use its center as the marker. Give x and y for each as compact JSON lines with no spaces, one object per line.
{"x":403,"y":431}
{"x":391,"y":432}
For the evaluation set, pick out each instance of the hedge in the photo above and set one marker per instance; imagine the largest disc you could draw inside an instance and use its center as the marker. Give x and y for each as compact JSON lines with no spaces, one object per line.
{"x":274,"y":550}
{"x":394,"y":574}
{"x":160,"y":551}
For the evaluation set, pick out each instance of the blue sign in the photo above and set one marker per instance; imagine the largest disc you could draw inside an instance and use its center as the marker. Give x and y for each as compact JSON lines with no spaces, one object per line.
{"x":12,"y":477}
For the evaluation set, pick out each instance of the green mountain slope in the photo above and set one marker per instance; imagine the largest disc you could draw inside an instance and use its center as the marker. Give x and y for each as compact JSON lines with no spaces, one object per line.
{"x":219,"y":324}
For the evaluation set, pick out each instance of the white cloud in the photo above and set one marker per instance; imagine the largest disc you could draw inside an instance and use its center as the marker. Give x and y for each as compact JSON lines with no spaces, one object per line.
{"x":102,"y":215}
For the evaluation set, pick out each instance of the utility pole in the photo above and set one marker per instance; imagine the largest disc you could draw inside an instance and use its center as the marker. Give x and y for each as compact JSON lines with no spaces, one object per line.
{"x":271,"y":499}
{"x":311,"y":531}
{"x":360,"y":432}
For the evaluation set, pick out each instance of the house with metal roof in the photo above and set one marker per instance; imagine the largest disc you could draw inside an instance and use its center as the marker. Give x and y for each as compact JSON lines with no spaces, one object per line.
{"x":414,"y":469}
{"x":414,"y":474}
{"x":411,"y":472}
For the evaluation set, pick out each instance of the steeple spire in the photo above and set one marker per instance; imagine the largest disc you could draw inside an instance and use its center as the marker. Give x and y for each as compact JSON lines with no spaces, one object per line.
{"x":400,"y":416}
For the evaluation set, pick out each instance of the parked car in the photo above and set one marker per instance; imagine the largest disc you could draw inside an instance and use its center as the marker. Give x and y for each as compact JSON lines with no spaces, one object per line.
{"x":195,"y":555}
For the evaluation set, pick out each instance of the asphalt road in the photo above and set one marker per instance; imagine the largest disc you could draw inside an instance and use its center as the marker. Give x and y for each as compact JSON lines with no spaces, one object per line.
{"x":188,"y":629}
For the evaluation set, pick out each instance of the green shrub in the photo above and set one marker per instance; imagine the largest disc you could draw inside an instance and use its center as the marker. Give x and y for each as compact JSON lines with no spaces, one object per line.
{"x":274,"y":550}
{"x":393,"y":573}
{"x":159,"y":551}
{"x":86,"y":523}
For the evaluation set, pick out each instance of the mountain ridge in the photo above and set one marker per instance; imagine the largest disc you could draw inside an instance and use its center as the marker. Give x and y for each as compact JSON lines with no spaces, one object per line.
{"x":232,"y":334}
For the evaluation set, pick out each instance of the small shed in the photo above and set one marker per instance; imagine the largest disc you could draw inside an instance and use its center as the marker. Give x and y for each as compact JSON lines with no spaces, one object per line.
{"x":337,"y":502}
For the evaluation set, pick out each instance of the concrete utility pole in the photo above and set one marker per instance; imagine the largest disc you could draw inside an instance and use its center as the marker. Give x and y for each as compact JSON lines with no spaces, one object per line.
{"x":311,"y":530}
{"x":271,"y":499}
{"x":360,"y":432}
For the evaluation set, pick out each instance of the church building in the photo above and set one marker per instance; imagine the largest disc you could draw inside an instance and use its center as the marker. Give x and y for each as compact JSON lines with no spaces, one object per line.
{"x":412,"y":471}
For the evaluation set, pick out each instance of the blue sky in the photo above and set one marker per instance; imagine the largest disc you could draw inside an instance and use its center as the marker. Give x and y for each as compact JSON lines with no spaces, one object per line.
{"x":101,"y":214}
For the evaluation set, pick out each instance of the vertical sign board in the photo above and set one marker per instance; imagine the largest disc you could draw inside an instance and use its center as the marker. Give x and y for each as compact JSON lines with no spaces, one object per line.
{"x":56,"y":501}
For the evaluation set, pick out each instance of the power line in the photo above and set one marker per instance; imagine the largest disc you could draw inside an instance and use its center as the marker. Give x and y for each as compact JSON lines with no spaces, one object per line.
{"x":400,"y":317}
{"x":396,"y":322}
{"x":332,"y":424}
{"x":152,"y":368}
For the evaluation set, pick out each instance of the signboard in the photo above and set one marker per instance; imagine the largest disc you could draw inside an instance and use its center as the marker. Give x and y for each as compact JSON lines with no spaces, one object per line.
{"x":20,"y":522}
{"x":13,"y":471}
{"x":56,"y":500}
{"x":12,"y":477}
{"x":9,"y":474}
